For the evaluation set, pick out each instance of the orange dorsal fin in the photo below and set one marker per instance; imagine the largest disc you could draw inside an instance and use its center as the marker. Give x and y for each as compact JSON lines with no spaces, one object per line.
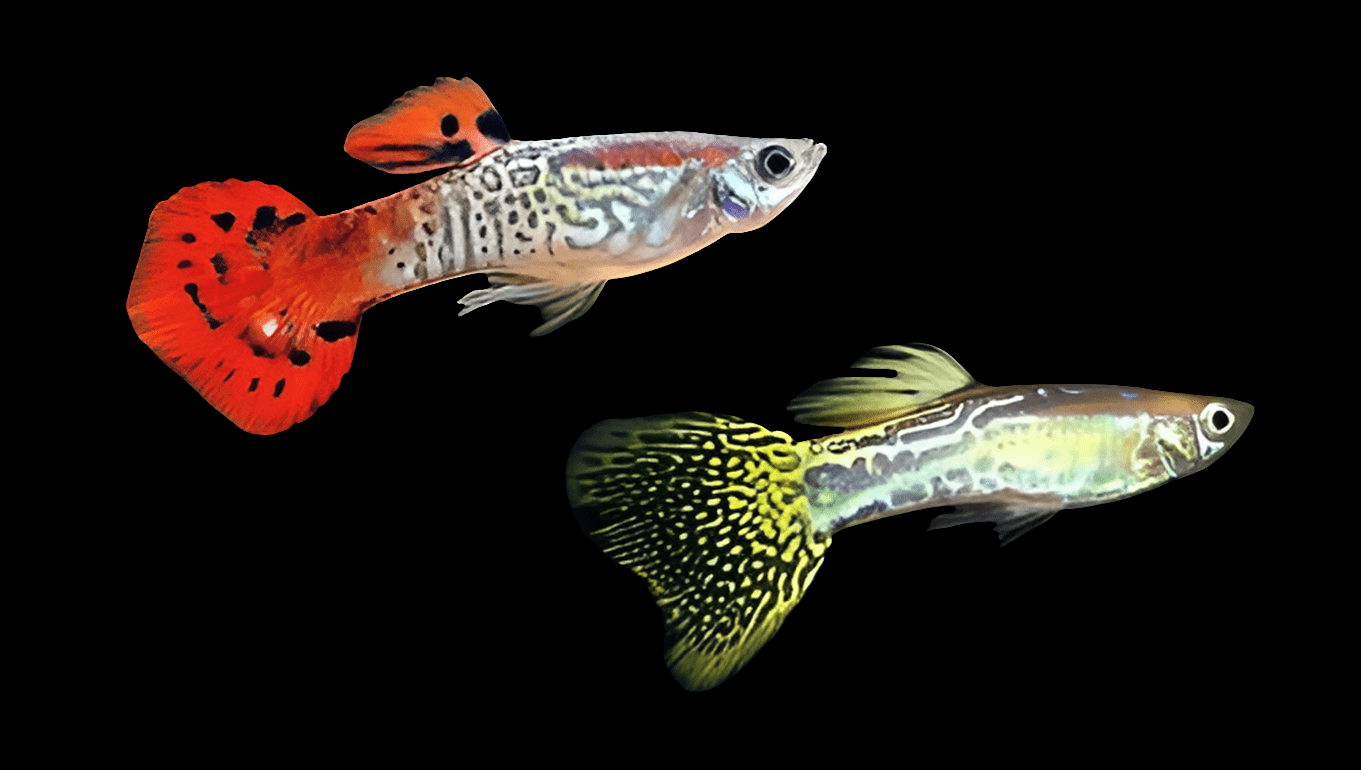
{"x":232,"y":293}
{"x":451,"y":123}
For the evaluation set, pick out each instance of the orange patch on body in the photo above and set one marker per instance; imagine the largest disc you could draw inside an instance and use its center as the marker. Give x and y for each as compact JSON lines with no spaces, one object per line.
{"x":648,"y":153}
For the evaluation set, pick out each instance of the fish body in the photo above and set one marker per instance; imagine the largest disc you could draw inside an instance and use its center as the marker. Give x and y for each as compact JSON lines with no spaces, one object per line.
{"x":256,"y":300}
{"x":1013,"y":455}
{"x":728,"y":522}
{"x":551,"y":221}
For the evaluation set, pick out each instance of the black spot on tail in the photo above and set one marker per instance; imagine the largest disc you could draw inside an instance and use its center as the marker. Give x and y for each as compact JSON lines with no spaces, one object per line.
{"x":192,"y":290}
{"x":334,"y":330}
{"x":264,"y":217}
{"x":493,"y":127}
{"x":220,"y":265}
{"x":225,"y":220}
{"x":449,"y":125}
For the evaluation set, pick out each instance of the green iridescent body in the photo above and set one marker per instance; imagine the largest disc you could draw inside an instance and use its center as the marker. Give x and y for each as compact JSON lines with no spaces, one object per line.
{"x":728,"y":522}
{"x":1048,"y":447}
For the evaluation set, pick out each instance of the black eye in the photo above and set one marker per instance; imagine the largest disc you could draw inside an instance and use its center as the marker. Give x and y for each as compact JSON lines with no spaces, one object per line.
{"x":1220,"y":420}
{"x":774,"y":162}
{"x":1216,"y":418}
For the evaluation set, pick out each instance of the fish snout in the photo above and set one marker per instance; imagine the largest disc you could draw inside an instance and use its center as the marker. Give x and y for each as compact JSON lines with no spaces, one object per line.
{"x":1220,"y":424}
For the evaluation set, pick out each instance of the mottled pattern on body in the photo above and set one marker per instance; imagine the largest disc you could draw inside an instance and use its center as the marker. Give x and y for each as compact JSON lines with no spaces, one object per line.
{"x":1031,"y":440}
{"x":555,"y":211}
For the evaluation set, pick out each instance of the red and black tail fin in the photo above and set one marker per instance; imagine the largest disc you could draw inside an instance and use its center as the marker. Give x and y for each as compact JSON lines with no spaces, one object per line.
{"x":236,"y":291}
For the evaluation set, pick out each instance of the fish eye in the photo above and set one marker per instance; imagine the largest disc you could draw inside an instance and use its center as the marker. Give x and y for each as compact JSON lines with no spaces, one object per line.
{"x":1216,"y":418}
{"x":774,"y":162}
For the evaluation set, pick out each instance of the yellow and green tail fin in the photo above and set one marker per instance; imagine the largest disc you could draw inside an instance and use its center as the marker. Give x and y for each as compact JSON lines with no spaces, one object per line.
{"x":710,"y":511}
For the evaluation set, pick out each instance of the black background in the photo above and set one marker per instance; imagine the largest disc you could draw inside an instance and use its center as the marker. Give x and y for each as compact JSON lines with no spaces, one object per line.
{"x":1052,"y":209}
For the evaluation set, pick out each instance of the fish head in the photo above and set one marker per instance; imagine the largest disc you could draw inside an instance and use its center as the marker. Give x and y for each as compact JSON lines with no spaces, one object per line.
{"x":762,"y":179}
{"x":1188,"y":433}
{"x":1218,"y":425}
{"x":1171,"y":434}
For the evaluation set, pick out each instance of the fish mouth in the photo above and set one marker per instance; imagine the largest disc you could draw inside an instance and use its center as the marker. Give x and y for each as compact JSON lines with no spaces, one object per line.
{"x":815,"y":154}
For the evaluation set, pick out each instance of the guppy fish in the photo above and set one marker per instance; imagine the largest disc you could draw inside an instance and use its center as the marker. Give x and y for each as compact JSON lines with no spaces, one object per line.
{"x":728,"y":522}
{"x":255,"y":299}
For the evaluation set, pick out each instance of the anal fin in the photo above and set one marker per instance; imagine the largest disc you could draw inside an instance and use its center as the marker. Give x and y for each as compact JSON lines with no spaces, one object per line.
{"x":1010,"y":518}
{"x":557,"y":304}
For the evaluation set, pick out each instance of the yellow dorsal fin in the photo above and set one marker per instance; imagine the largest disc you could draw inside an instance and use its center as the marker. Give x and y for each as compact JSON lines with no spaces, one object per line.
{"x":921,"y":374}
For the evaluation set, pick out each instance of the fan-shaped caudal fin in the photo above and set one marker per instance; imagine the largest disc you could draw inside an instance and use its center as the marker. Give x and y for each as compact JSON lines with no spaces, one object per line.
{"x":712,"y":512}
{"x":234,"y":290}
{"x":451,"y":123}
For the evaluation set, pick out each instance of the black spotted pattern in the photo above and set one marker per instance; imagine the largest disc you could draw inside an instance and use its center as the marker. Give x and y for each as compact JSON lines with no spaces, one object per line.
{"x":264,"y":217}
{"x":493,"y":127}
{"x":220,"y":265}
{"x":192,"y":290}
{"x":225,"y":220}
{"x":335,"y":330}
{"x":452,"y":152}
{"x":710,"y":512}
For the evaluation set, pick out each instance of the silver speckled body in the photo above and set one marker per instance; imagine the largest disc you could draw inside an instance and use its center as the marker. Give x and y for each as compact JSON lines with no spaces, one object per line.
{"x":577,"y":212}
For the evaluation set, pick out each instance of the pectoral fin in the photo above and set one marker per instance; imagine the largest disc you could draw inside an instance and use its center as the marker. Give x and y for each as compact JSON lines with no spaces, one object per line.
{"x":557,"y":304}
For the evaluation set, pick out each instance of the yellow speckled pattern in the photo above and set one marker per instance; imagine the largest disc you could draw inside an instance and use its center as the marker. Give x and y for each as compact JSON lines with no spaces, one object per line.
{"x":727,"y":521}
{"x":711,"y":512}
